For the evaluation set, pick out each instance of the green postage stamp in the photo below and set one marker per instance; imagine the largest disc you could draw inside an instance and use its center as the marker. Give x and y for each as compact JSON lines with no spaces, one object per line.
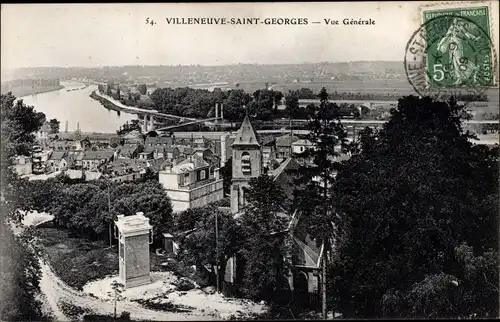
{"x":452,"y":49}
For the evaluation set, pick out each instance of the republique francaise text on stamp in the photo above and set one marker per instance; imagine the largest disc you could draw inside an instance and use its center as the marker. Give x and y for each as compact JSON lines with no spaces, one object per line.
{"x":451,"y":52}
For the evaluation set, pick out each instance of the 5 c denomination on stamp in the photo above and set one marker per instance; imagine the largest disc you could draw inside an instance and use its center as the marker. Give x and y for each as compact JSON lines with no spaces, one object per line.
{"x":452,"y":50}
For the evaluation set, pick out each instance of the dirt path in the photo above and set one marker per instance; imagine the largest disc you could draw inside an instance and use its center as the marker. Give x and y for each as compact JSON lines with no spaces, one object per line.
{"x":56,"y":291}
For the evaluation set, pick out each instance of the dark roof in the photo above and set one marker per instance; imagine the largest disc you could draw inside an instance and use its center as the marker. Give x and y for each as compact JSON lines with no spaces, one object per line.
{"x":159,"y":164}
{"x":306,"y":252}
{"x":267,"y":140}
{"x":159,"y":140}
{"x":170,"y":149}
{"x":246,"y":135}
{"x":185,"y":149}
{"x":128,"y":149}
{"x":98,"y":155}
{"x":283,"y":176}
{"x":197,"y":162}
{"x":212,"y":159}
{"x":57,"y":155}
{"x":286,"y":140}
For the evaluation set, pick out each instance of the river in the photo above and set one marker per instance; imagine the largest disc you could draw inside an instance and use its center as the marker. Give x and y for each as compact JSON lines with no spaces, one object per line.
{"x":77,"y":107}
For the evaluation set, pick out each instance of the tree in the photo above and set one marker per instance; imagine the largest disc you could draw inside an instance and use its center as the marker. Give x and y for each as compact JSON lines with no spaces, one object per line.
{"x":148,"y":197}
{"x":19,"y":265}
{"x":108,"y":90}
{"x":264,"y":249}
{"x":19,"y":123}
{"x":54,"y":126}
{"x":201,"y":247}
{"x":227,"y":174}
{"x":317,"y":177}
{"x":306,"y":93}
{"x":419,"y":209}
{"x":234,"y":105}
{"x":292,"y":104}
{"x":277,"y":99}
{"x":150,"y":175}
{"x":118,"y":289}
{"x":142,"y":89}
{"x":19,"y":277}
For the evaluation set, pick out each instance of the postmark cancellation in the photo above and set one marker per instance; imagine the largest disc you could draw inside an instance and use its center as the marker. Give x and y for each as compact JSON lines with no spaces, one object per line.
{"x":452,"y":50}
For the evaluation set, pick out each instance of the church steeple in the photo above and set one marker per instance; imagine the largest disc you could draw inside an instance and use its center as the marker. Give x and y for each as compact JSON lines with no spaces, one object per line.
{"x":247,"y":162}
{"x":246,"y":135}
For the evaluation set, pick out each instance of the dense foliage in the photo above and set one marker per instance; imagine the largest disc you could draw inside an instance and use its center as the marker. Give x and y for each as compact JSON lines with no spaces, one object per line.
{"x":419,"y":209}
{"x":19,"y":267}
{"x":134,"y":125}
{"x":264,"y":248}
{"x":201,"y":247}
{"x":86,"y":207}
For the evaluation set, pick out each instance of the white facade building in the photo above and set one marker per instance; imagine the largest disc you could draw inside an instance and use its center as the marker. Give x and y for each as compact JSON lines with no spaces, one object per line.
{"x":191,"y":183}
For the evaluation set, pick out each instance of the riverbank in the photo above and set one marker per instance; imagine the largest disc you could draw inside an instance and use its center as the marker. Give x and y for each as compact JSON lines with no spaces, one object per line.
{"x":106,"y":103}
{"x":20,"y":92}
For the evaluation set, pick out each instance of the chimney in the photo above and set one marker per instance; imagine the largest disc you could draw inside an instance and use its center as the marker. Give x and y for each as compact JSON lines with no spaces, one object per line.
{"x":222,"y":150}
{"x":221,"y":111}
{"x":216,"y":110}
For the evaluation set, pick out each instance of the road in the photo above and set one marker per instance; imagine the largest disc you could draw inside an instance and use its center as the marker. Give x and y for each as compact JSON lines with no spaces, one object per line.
{"x":136,"y":110}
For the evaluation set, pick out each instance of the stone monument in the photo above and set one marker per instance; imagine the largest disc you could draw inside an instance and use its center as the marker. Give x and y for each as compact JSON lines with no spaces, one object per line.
{"x":134,"y":234}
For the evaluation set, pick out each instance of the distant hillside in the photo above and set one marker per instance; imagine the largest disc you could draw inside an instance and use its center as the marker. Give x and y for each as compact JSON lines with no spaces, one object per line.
{"x":23,"y":87}
{"x":231,"y":72}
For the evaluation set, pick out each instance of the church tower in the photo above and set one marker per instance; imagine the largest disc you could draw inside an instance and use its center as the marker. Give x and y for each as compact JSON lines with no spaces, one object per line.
{"x":247,"y":163}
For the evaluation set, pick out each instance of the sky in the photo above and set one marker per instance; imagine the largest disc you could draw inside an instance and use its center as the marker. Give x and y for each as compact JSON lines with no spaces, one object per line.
{"x":92,"y":35}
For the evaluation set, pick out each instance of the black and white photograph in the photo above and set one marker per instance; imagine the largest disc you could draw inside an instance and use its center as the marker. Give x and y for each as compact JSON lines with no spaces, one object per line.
{"x":249,"y":161}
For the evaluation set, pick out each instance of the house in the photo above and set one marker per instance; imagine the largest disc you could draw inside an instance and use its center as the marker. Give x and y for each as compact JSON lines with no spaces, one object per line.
{"x":185,"y":150}
{"x":134,"y":137}
{"x":23,"y":165}
{"x":147,"y":154}
{"x":170,"y":153}
{"x":77,"y":159}
{"x":92,"y":159}
{"x":77,"y":174}
{"x":74,"y":145}
{"x":301,"y":146}
{"x":284,"y":145}
{"x":58,"y":161}
{"x":158,"y":141}
{"x":191,"y":183}
{"x":268,"y":144}
{"x":39,"y":159}
{"x":129,"y":150}
{"x":123,"y":170}
{"x":43,"y":133}
{"x":158,"y":165}
{"x":207,"y":155}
